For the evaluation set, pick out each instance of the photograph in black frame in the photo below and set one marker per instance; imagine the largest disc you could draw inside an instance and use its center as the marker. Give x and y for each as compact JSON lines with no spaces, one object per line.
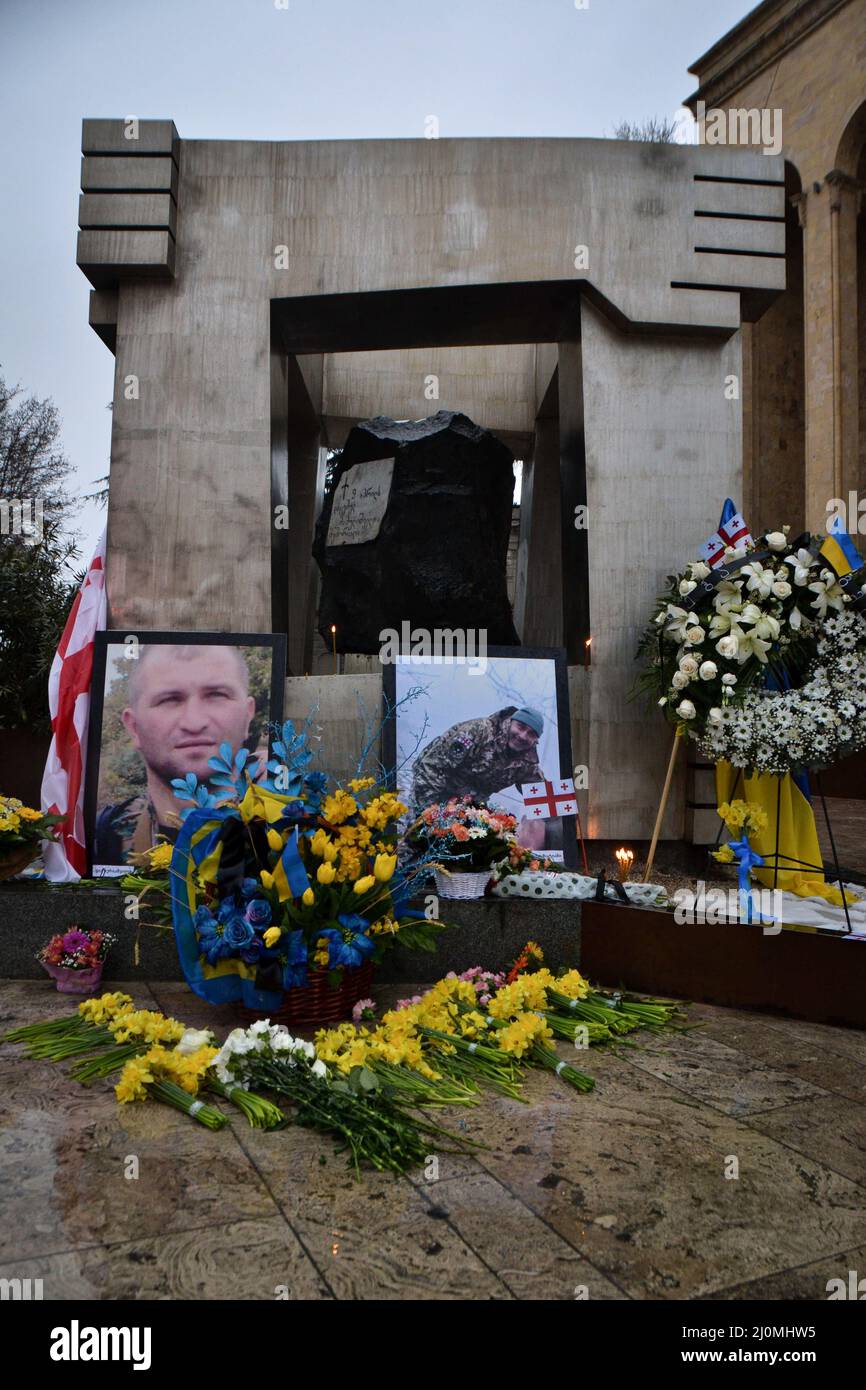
{"x":162,"y":703}
{"x":429,"y":741}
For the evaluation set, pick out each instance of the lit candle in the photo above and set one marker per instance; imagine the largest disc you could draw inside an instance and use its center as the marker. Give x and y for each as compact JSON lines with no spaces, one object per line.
{"x":334,"y":641}
{"x":624,"y":859}
{"x":586,"y":652}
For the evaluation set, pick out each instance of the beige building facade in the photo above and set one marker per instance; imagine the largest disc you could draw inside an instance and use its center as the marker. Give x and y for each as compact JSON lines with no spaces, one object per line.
{"x":804,"y":360}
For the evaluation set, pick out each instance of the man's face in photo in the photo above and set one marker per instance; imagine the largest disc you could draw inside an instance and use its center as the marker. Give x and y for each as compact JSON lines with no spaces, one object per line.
{"x":521,"y":739}
{"x":184,"y":705}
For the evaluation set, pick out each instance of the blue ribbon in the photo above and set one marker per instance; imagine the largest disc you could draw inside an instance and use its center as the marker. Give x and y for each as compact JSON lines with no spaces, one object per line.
{"x":293,"y":867}
{"x":747,"y":860}
{"x":222,"y":989}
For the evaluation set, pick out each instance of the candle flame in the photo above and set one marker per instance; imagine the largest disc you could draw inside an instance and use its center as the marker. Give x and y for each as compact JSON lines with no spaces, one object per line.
{"x":625,"y":859}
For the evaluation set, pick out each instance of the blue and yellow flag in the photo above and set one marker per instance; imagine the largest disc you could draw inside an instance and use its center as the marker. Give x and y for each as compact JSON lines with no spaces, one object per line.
{"x":839,"y":550}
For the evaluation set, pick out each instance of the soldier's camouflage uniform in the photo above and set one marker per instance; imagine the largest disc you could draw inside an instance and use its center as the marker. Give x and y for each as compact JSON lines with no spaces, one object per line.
{"x":472,"y":759}
{"x":126,"y":829}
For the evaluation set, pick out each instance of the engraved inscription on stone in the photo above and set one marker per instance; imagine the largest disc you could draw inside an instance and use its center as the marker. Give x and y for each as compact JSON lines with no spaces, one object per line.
{"x":360,"y":502}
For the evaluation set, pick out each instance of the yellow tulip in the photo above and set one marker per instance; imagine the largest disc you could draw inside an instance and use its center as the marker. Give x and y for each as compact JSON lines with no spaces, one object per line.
{"x":384,"y":867}
{"x":363,"y":885}
{"x":330,"y":852}
{"x":326,"y":873}
{"x":272,"y":936}
{"x":308,"y":898}
{"x":266,"y":878}
{"x":275,"y":839}
{"x":318,"y":842}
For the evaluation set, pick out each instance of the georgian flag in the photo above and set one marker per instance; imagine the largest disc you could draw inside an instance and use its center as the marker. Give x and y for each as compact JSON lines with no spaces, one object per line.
{"x":732,"y":531}
{"x":69,"y":703}
{"x":544,"y":799}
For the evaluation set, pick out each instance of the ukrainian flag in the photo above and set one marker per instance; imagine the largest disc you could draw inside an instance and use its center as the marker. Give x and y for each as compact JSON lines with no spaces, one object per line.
{"x":800,"y":866}
{"x":839,"y":550}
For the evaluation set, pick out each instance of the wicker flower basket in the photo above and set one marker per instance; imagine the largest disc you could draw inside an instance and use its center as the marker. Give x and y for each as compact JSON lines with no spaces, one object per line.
{"x":15,"y":860}
{"x":461,"y":885}
{"x":316,"y":1004}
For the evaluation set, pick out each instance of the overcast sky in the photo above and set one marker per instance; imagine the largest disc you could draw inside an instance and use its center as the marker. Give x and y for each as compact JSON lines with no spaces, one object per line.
{"x":317,"y":69}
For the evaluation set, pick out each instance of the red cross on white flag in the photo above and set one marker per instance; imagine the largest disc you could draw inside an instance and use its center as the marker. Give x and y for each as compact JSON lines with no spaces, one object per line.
{"x":544,"y":799}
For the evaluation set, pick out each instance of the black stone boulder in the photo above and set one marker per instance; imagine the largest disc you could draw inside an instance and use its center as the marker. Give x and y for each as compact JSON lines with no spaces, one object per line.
{"x":439,"y":558}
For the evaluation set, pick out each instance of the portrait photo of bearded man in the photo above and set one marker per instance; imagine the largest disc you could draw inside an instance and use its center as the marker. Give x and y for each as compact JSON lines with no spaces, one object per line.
{"x":182,"y":701}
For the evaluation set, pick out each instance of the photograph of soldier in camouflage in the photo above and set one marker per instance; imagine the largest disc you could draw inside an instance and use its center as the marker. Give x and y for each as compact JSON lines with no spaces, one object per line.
{"x":168,"y":700}
{"x":458,"y":732}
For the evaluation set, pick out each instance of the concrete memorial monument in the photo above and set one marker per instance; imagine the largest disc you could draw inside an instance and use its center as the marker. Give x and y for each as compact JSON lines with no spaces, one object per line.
{"x":580,"y":298}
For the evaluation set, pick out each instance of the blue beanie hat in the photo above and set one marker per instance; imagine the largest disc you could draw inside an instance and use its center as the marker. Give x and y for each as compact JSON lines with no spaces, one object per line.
{"x":531,"y":718}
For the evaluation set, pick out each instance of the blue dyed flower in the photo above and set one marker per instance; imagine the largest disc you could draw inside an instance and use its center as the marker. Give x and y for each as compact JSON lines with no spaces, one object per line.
{"x":351,"y":946}
{"x":227,"y":909}
{"x":295,"y":972}
{"x":252,"y":954}
{"x":259,"y":913}
{"x":211,"y":935}
{"x":250,"y":888}
{"x":237,"y":933}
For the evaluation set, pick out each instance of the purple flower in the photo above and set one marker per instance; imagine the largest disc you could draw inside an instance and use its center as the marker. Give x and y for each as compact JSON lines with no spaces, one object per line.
{"x":75,"y":940}
{"x":259,"y":913}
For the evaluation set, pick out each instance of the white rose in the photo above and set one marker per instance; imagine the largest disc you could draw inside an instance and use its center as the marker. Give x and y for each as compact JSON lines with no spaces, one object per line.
{"x":715,"y":715}
{"x":686,"y":586}
{"x":679,"y":681}
{"x":686,"y":710}
{"x":709,"y":670}
{"x":781,"y":589}
{"x":699,"y":570}
{"x":319,"y":1069}
{"x":695,"y":635}
{"x":728,"y":646}
{"x":729,"y":679}
{"x":688,"y":666}
{"x":776,"y":540}
{"x":663,"y":700}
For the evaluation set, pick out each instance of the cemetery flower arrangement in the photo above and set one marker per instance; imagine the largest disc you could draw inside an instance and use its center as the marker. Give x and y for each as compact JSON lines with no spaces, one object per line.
{"x":22,"y":825}
{"x":76,"y":949}
{"x":478,"y":1029}
{"x":762,"y":659}
{"x":462,"y":835}
{"x":274,"y":880}
{"x":161,"y":1059}
{"x":521,"y":860}
{"x":368,"y":1088}
{"x":814,"y":724}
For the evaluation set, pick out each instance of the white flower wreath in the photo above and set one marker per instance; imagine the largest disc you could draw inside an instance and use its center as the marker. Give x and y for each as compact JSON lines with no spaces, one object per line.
{"x":814,"y":725}
{"x":763,"y":661}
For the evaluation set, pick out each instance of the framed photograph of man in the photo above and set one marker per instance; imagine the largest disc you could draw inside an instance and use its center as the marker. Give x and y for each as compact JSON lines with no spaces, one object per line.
{"x":161,"y":705}
{"x":490,"y":726}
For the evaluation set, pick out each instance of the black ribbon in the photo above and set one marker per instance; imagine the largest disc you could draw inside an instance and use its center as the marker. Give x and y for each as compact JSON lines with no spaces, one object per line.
{"x":701,"y":596}
{"x":615,"y":884}
{"x":269,"y":974}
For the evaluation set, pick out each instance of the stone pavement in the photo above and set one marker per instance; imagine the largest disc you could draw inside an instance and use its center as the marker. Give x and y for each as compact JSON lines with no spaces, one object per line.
{"x":620,"y":1194}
